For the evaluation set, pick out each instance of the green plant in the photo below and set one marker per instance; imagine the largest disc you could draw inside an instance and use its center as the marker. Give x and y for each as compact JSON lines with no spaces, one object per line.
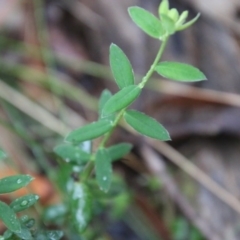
{"x":77,"y":149}
{"x":85,"y":174}
{"x":20,"y":227}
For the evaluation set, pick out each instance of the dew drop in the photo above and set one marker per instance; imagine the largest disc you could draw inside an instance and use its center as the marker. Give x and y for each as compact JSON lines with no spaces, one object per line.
{"x":24,"y":203}
{"x":19,"y":181}
{"x":67,"y":160}
{"x":104,"y":178}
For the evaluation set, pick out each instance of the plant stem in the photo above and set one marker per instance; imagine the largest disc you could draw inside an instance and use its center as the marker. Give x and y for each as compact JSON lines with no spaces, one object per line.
{"x":89,"y":168}
{"x":115,"y":123}
{"x":153,"y":66}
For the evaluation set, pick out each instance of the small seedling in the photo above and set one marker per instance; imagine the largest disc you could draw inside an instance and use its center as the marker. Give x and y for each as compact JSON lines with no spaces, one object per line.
{"x":97,"y":163}
{"x":93,"y":167}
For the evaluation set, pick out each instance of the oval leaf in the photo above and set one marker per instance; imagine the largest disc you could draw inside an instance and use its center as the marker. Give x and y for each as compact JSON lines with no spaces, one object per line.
{"x":105,"y":96}
{"x":146,"y":21}
{"x":24,"y":202}
{"x":81,"y":206}
{"x":103,"y":169}
{"x":9,"y":218}
{"x":119,"y":150}
{"x":88,"y":132}
{"x":146,"y":125}
{"x":121,"y":99}
{"x":188,"y":24}
{"x":121,"y":67}
{"x":72,"y":153}
{"x":179,"y":72}
{"x":13,"y":183}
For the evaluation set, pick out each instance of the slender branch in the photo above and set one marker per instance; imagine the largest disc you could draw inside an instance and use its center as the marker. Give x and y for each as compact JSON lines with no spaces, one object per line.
{"x":90,"y":166}
{"x":156,"y":61}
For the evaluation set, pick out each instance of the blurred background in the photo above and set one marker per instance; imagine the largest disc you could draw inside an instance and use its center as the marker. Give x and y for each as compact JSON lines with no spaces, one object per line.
{"x":54,"y":66}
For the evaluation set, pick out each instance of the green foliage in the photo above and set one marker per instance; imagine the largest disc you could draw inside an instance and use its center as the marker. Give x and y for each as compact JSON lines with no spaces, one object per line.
{"x":146,"y":21}
{"x":103,"y":169}
{"x":13,"y":183}
{"x":80,"y":206}
{"x":89,"y":132}
{"x":179,"y":72}
{"x":146,"y":125}
{"x":121,"y":100}
{"x":85,"y":175}
{"x":24,"y":202}
{"x":73,"y":154}
{"x":121,"y":67}
{"x":112,"y":108}
{"x":9,"y":218}
{"x":118,"y":151}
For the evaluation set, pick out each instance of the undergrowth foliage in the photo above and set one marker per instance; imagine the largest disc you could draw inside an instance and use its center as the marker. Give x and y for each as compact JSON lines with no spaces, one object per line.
{"x":90,"y":166}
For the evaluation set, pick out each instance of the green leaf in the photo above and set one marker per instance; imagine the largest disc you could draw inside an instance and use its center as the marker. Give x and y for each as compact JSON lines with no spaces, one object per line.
{"x":173,"y":14}
{"x":27,"y":222}
{"x":55,"y":214}
{"x":188,"y":24}
{"x":121,"y":99}
{"x":9,"y":218}
{"x":89,"y":131}
{"x":72,"y":154}
{"x":13,"y":183}
{"x":121,"y":67}
{"x":168,"y":24}
{"x":105,"y":96}
{"x":179,"y":72}
{"x":24,"y":234}
{"x":103,"y":169}
{"x":163,"y":7}
{"x":81,"y":206}
{"x":146,"y":125}
{"x":24,"y":202}
{"x":3,"y":155}
{"x":119,"y":150}
{"x":146,"y":21}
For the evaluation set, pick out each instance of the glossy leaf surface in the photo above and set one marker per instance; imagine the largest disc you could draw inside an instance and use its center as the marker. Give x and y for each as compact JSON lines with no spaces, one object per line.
{"x":89,"y":131}
{"x":24,"y":202}
{"x":103,"y":169}
{"x":119,"y":150}
{"x":180,"y":72}
{"x":9,"y":218}
{"x":121,"y":67}
{"x":146,"y":21}
{"x":72,"y":153}
{"x":81,"y":206}
{"x":121,"y":99}
{"x":146,"y":125}
{"x":13,"y":183}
